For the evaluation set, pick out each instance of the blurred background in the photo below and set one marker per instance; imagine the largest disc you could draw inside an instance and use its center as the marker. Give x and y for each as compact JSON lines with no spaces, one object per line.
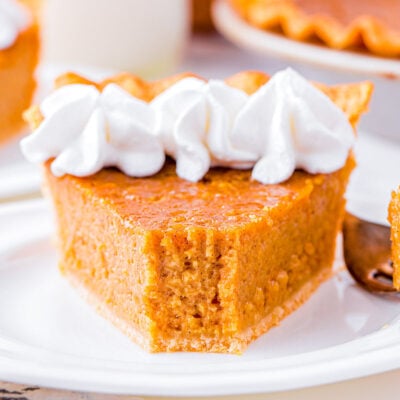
{"x":154,"y":38}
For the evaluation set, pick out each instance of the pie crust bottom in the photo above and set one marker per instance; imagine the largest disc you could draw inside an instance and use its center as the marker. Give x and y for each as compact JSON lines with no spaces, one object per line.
{"x":234,"y":345}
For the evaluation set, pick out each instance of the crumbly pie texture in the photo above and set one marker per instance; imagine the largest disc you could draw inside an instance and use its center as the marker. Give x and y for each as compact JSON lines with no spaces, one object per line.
{"x":181,"y":266}
{"x":364,"y":30}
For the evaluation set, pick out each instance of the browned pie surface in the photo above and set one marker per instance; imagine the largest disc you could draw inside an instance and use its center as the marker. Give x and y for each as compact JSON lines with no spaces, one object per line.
{"x":225,"y":198}
{"x":206,"y":266}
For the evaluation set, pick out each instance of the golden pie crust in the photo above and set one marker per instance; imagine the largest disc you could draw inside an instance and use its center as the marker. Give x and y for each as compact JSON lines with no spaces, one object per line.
{"x":340,"y":24}
{"x":207,"y":266}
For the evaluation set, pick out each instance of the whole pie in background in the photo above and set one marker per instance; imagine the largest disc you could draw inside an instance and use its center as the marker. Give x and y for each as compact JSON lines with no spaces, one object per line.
{"x":340,"y":24}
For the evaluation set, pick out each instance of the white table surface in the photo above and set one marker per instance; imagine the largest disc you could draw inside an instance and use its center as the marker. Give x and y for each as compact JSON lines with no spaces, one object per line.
{"x":213,"y":56}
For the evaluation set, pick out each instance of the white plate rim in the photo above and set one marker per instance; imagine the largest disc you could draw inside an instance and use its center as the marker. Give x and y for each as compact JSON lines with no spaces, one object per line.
{"x":244,"y":35}
{"x":374,"y":353}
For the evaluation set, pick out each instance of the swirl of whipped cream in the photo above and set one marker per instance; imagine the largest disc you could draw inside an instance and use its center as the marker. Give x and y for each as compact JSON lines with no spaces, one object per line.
{"x":85,"y":130}
{"x":286,"y":124}
{"x":195,"y":120}
{"x":289,"y":124}
{"x":14,"y":18}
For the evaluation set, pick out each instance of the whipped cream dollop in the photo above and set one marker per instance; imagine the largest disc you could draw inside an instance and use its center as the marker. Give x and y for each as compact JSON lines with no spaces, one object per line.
{"x":14,"y":18}
{"x":286,"y":124}
{"x":85,"y":130}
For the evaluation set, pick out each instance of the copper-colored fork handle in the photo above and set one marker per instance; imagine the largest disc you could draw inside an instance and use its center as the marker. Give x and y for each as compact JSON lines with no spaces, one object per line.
{"x":366,"y":248}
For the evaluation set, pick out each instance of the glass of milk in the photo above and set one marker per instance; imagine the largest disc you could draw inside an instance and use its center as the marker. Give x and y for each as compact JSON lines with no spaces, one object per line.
{"x":146,"y":37}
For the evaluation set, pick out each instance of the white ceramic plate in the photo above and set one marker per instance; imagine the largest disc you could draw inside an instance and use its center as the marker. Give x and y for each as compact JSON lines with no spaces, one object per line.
{"x":50,"y":337}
